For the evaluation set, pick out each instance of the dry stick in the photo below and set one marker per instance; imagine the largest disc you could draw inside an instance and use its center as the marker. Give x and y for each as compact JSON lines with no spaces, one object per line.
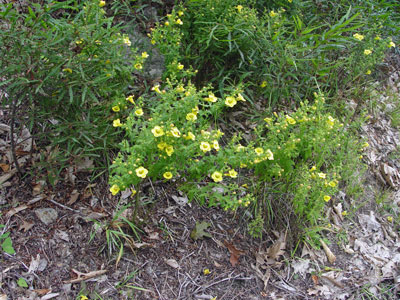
{"x":14,"y":155}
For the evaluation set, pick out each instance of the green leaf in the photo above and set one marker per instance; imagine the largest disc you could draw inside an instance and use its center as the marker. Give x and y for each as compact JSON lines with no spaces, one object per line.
{"x":22,"y":283}
{"x":198,"y":232}
{"x":7,"y":246}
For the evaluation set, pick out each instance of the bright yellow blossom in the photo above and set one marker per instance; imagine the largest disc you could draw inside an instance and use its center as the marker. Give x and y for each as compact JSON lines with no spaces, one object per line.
{"x":117,"y":123}
{"x":269,"y":154}
{"x":115,"y":108}
{"x":367,"y":52}
{"x":216,"y":176}
{"x":358,"y":36}
{"x":233,"y":173}
{"x":327,"y":198}
{"x":167,"y":175}
{"x":205,"y":147}
{"x":101,"y":4}
{"x":175,"y":132}
{"x":127,"y":41}
{"x":240,"y":97}
{"x":332,"y":183}
{"x":206,"y":271}
{"x":179,"y":22}
{"x":141,"y":172}
{"x":239,"y":8}
{"x":211,"y":98}
{"x":259,"y":151}
{"x":180,"y":66}
{"x":169,"y":150}
{"x":190,"y":136}
{"x":138,"y":66}
{"x":368,"y":72}
{"x":145,"y":55}
{"x":157,"y":131}
{"x":272,"y":14}
{"x":67,"y":70}
{"x":162,"y":145}
{"x":215,"y":145}
{"x":156,"y":88}
{"x":191,"y":117}
{"x":321,"y":175}
{"x":130,"y":99}
{"x":391,"y":44}
{"x":114,"y":190}
{"x":230,"y":101}
{"x":139,"y":112}
{"x":290,"y":120}
{"x":263,"y":84}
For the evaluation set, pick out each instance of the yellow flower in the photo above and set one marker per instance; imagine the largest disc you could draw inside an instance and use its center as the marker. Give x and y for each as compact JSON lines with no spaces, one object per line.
{"x":180,"y":66}
{"x":321,"y":175}
{"x":368,"y":72}
{"x":175,"y":132}
{"x":117,"y":123}
{"x":97,"y":42}
{"x":211,"y":98}
{"x":179,"y":22}
{"x":206,"y":271}
{"x":331,"y":121}
{"x":180,"y":13}
{"x":391,"y":44}
{"x":290,"y":120}
{"x":240,"y":98}
{"x":263,"y":84}
{"x":169,"y":150}
{"x":205,"y":147}
{"x":145,"y":55}
{"x":157,"y":131}
{"x":269,"y":155}
{"x":156,"y":88}
{"x":332,"y":183}
{"x":215,"y":145}
{"x":139,"y":112}
{"x":162,"y":145}
{"x":67,"y":70}
{"x":166,"y":23}
{"x":138,"y":66}
{"x":367,"y":52}
{"x":153,"y":42}
{"x":127,"y":41}
{"x":242,"y":165}
{"x":327,"y":198}
{"x":205,"y":134}
{"x":217,"y":176}
{"x":233,"y":173}
{"x":290,"y":1}
{"x":365,"y":145}
{"x":358,"y":36}
{"x":115,"y":108}
{"x":101,"y":4}
{"x":191,"y":117}
{"x":190,"y":136}
{"x":141,"y":172}
{"x":167,"y":175}
{"x":259,"y":151}
{"x":377,"y":38}
{"x":239,"y":8}
{"x":180,"y":89}
{"x":230,"y":101}
{"x":272,"y":14}
{"x":114,"y":190}
{"x":344,"y":213}
{"x":390,"y":219}
{"x":130,"y":99}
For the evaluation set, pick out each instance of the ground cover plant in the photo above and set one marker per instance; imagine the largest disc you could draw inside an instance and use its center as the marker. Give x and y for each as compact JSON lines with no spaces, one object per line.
{"x":250,"y":115}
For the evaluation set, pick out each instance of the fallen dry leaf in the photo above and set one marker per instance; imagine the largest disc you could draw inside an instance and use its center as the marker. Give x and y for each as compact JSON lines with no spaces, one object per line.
{"x":277,"y":249}
{"x":74,"y":196}
{"x":25,"y":226}
{"x":331,"y":257}
{"x":42,"y":292}
{"x":85,"y":276}
{"x":5,"y":167}
{"x":315,"y":279}
{"x":172,"y":263}
{"x":235,"y":253}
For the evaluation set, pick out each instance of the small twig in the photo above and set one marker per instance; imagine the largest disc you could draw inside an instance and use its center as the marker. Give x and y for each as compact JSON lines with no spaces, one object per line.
{"x":85,"y":276}
{"x":63,"y":206}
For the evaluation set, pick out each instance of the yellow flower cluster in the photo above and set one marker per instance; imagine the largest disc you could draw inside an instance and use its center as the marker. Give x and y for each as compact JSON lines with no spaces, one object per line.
{"x":358,"y":36}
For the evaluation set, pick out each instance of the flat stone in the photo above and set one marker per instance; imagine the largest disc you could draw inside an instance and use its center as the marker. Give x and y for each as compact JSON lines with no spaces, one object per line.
{"x":46,"y":215}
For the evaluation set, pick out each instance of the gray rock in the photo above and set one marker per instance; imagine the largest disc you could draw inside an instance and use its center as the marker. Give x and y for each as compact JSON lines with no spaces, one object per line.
{"x":46,"y":215}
